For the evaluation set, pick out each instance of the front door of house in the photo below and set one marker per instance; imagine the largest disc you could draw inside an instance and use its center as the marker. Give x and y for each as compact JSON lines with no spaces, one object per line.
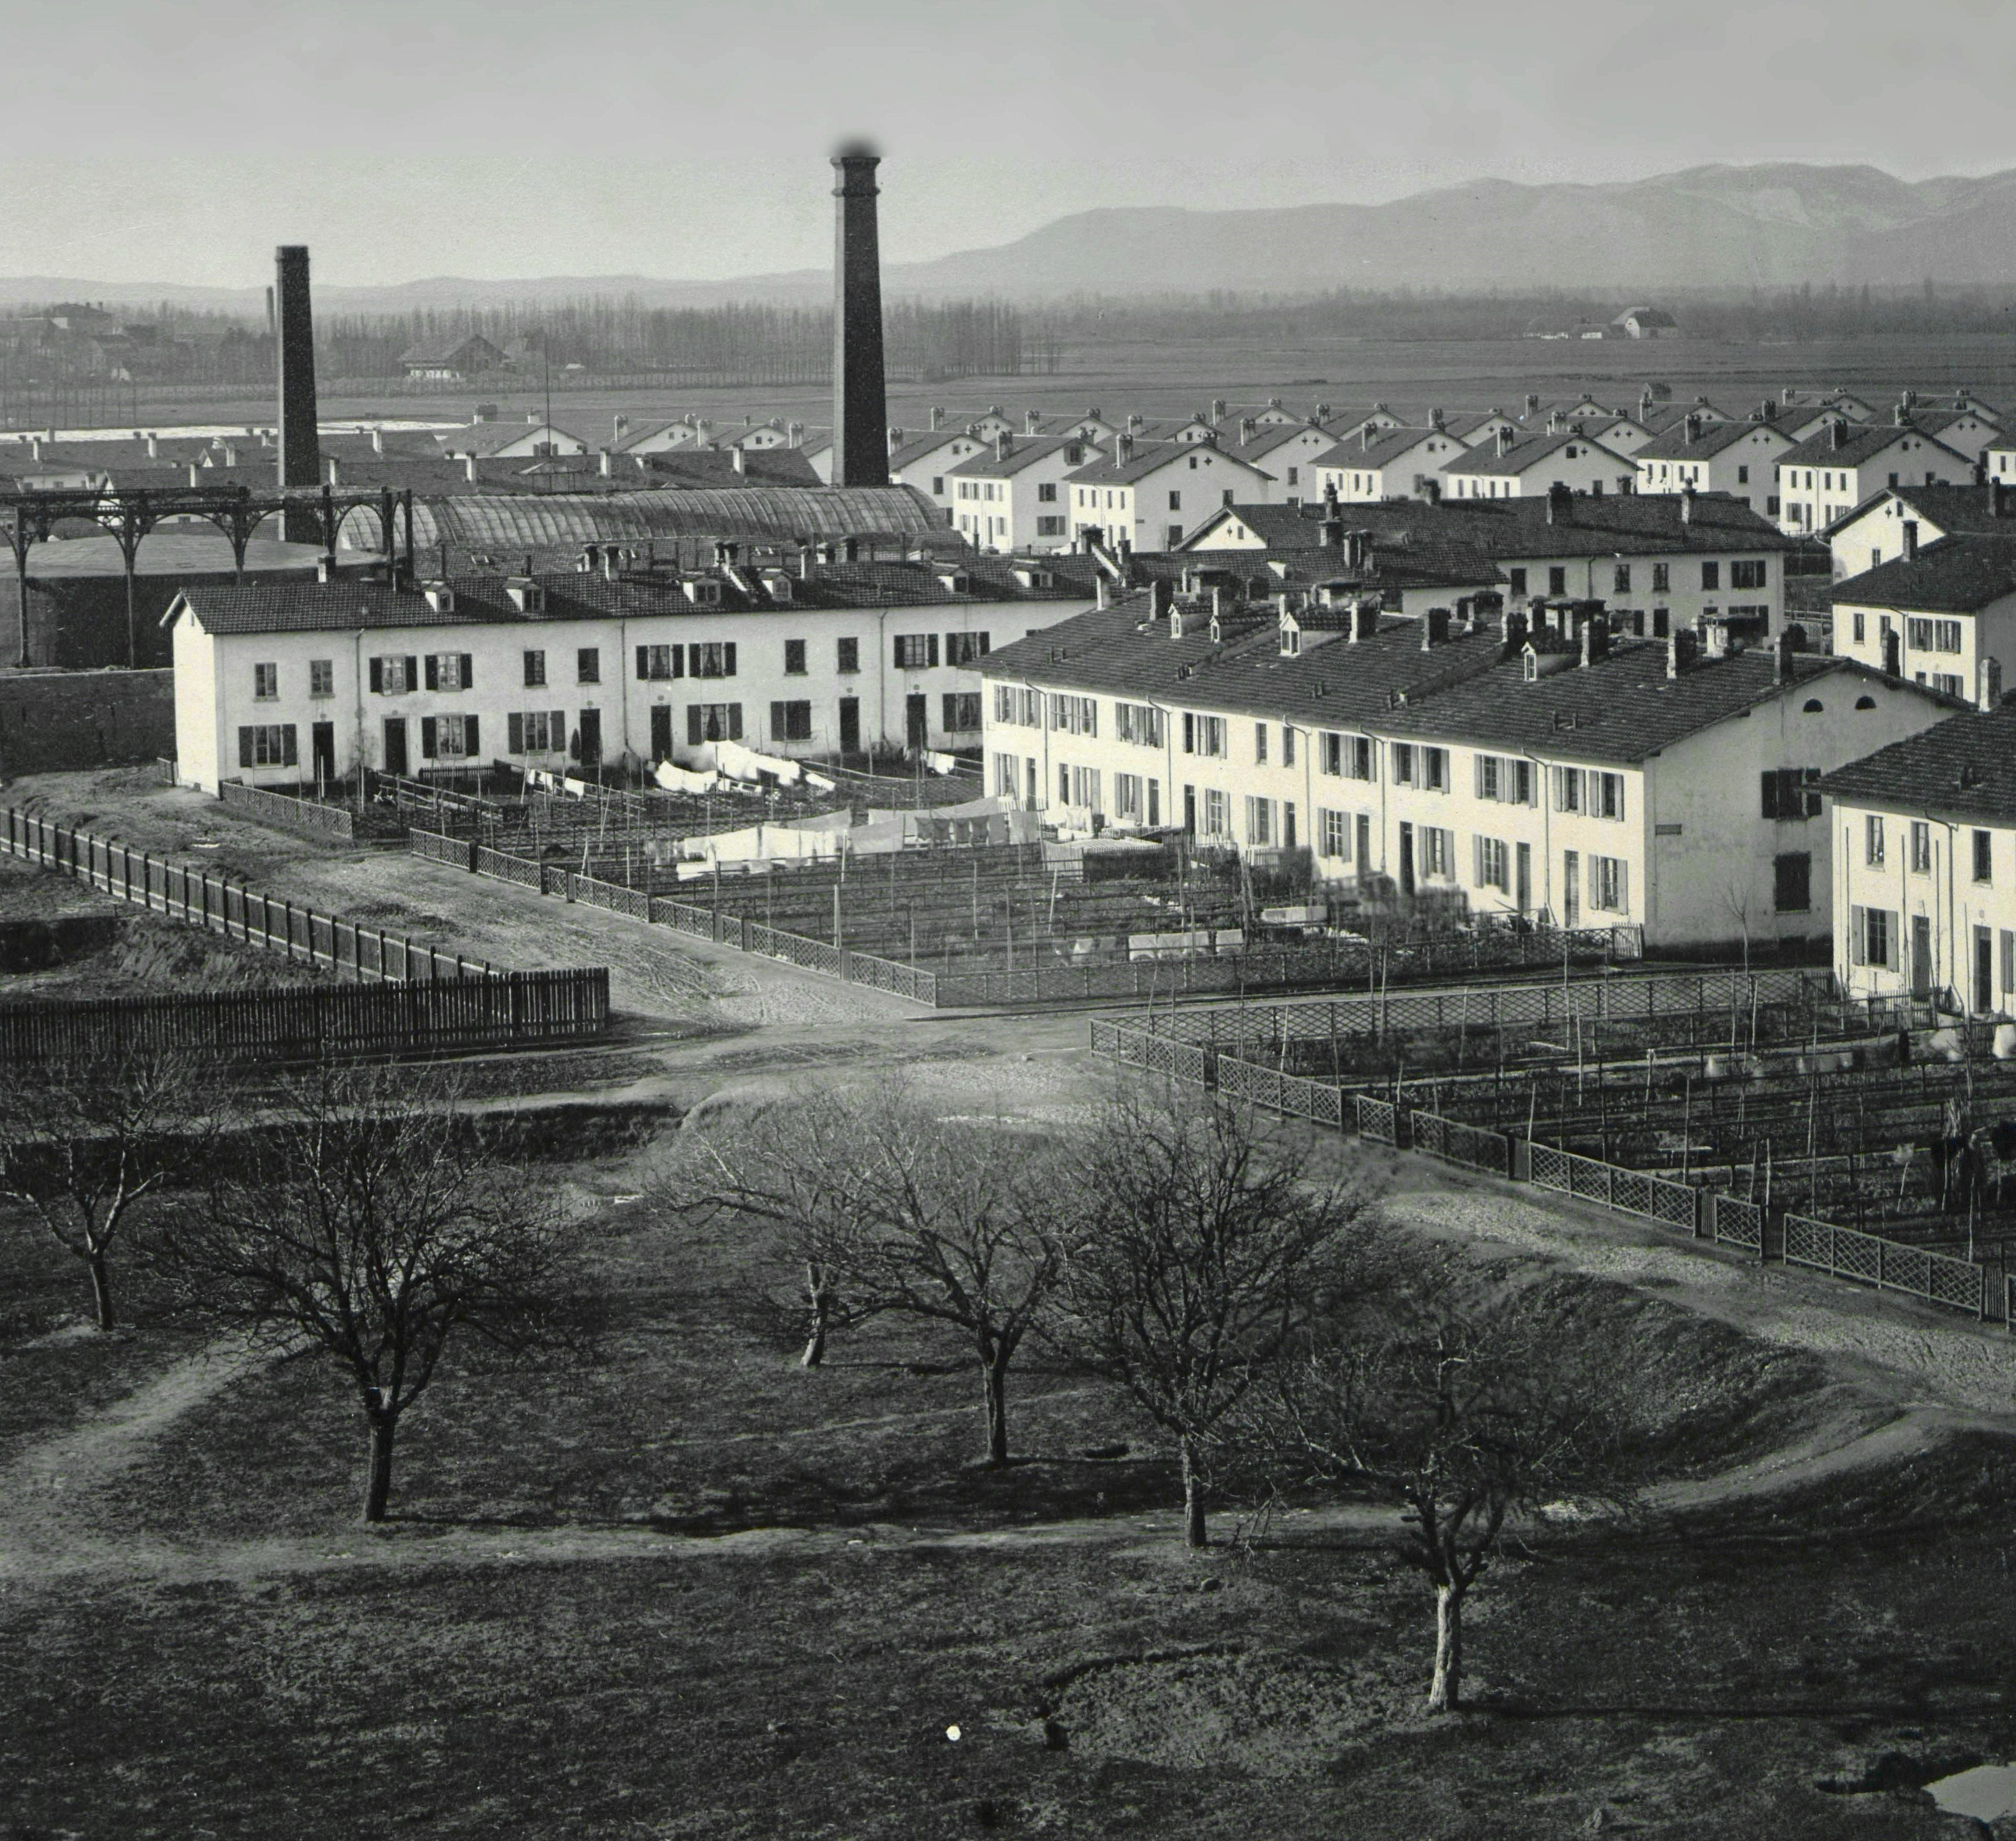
{"x":1984,"y":970}
{"x":1190,"y":810}
{"x":1525,"y":877}
{"x":1406,"y":853}
{"x":395,"y":744}
{"x":321,"y":753}
{"x":850,"y":726}
{"x":1921,"y":955}
{"x":917,"y":720}
{"x":591,"y":740}
{"x":661,"y":731}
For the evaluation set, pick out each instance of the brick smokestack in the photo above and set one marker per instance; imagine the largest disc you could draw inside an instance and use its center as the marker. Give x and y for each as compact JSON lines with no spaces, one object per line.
{"x":300,"y":449}
{"x":860,"y":409}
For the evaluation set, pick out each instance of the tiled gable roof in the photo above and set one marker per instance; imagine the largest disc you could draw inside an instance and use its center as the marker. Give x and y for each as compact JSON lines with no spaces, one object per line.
{"x":1396,"y":444}
{"x":1958,"y":574}
{"x":1861,"y":443}
{"x":1110,"y":469}
{"x":1963,"y":768}
{"x":1025,"y":452}
{"x":1526,"y":452}
{"x":1710,"y":439}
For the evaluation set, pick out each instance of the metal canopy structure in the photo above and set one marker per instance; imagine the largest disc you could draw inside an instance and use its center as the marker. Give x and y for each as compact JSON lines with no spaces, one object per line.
{"x":506,"y":523}
{"x":30,"y":518}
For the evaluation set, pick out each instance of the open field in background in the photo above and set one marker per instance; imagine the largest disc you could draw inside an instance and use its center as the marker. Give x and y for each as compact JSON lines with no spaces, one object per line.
{"x":1182,"y":376}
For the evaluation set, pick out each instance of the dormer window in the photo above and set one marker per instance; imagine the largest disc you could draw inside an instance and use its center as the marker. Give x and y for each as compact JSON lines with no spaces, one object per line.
{"x":526,"y":597}
{"x":778,"y":586}
{"x":441,"y":597}
{"x":703,"y":591}
{"x":1531,"y":666}
{"x":1291,"y":642}
{"x":954,"y":582}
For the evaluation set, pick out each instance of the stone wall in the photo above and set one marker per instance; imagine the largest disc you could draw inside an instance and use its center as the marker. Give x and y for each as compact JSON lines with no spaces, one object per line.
{"x":59,"y":721}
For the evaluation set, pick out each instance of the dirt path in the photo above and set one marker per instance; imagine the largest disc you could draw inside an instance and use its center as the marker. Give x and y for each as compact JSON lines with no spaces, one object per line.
{"x":1905,"y":1350}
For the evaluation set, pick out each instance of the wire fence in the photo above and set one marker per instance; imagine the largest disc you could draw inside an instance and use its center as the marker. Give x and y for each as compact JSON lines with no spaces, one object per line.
{"x":1694,"y":1208}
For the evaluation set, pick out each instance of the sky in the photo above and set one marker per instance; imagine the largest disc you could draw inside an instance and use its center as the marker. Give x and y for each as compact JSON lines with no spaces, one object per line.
{"x":179,"y":143}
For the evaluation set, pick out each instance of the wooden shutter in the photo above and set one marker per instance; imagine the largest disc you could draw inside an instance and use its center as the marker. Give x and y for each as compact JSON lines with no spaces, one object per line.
{"x":678,"y":657}
{"x":692,"y":725}
{"x":728,"y":659}
{"x":290,"y":754}
{"x":412,"y":673}
{"x":950,"y":723}
{"x":514,"y":733}
{"x":434,"y":673}
{"x":556,"y":728}
{"x":735,"y":722}
{"x":777,"y":722}
{"x":1857,"y":935}
{"x":643,"y":662}
{"x":469,"y":674}
{"x":470,"y":747}
{"x":932,"y":649}
{"x":985,"y":645}
{"x":378,"y":674}
{"x":245,"y":744}
{"x":1770,"y":784}
{"x":427,"y":738}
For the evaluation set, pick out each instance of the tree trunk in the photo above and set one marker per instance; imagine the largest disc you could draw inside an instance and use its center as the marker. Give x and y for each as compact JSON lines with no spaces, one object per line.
{"x":1444,"y":1691}
{"x":101,"y":1288}
{"x":1194,"y":1534}
{"x":815,"y":1295}
{"x":994,"y":1375}
{"x":379,"y":1490}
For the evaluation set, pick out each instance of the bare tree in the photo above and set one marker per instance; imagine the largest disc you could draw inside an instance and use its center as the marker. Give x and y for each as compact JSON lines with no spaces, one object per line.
{"x":364,"y":1222}
{"x":1204,"y":1245}
{"x":1466,"y":1408}
{"x":87,"y":1143}
{"x":889,"y":1210}
{"x":797,"y":1166}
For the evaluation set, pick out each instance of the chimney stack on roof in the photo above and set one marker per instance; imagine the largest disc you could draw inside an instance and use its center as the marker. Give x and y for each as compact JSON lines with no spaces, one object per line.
{"x":1161,"y":597}
{"x":1102,"y":595}
{"x":1248,"y":429}
{"x":1505,"y":440}
{"x":1004,"y":443}
{"x":1998,"y":498}
{"x":1123,"y":449}
{"x":860,"y":399}
{"x":1436,"y":418}
{"x":1680,"y":646}
{"x":1032,"y":422}
{"x":1717,"y":640}
{"x":335,"y":472}
{"x":1781,"y":659}
{"x":1693,"y":426}
{"x":1594,"y":633}
{"x":738,"y":458}
{"x":469,"y":468}
{"x":1988,"y":684}
{"x":1332,"y":528}
{"x":1364,"y":618}
{"x":300,"y":444}
{"x":1911,"y":540}
{"x":1435,"y":628}
{"x":1838,"y":432}
{"x":1686,"y":504}
{"x":1561,"y":504}
{"x":1532,"y":403}
{"x":1358,"y":551}
{"x":1511,"y":628}
{"x":153,"y":447}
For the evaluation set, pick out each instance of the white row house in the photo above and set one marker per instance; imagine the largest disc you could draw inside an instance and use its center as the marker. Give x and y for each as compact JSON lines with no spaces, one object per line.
{"x":1661,"y":562}
{"x":1925,"y":835}
{"x":1550,"y":773}
{"x":1011,"y":496}
{"x":1937,"y":615}
{"x":1843,"y":466}
{"x":1737,"y":458}
{"x":1524,"y":465}
{"x":285,"y":684}
{"x":1390,"y":463}
{"x":1151,"y":495}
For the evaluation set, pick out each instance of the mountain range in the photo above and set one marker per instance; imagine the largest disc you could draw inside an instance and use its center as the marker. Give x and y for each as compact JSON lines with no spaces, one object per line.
{"x":1772,"y":226}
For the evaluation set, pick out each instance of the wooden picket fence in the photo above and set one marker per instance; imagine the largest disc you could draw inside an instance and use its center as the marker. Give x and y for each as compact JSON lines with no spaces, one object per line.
{"x":423,"y":998}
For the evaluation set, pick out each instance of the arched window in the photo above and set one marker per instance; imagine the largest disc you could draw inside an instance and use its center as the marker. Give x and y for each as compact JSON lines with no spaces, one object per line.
{"x":1865,"y":703}
{"x":1814,"y":706}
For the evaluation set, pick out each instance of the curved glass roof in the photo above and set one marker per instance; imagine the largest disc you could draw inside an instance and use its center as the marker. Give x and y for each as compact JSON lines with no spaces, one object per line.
{"x":504,"y":521}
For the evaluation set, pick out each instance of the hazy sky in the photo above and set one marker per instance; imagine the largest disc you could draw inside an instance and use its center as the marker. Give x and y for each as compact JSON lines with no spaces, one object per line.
{"x":180,"y":142}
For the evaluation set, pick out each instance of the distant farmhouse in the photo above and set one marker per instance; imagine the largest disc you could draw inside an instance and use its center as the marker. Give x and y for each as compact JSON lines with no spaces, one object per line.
{"x":452,"y":361}
{"x":1644,"y":322}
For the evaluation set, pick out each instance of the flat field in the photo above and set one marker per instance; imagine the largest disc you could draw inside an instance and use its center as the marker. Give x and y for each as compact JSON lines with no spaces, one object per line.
{"x":1159,"y":378}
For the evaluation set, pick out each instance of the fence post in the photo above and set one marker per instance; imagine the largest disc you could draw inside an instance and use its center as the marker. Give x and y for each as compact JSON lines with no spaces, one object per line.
{"x":1879,"y":1244}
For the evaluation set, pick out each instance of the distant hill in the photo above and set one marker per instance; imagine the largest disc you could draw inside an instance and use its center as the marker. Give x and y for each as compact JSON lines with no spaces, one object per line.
{"x":1774,"y":226}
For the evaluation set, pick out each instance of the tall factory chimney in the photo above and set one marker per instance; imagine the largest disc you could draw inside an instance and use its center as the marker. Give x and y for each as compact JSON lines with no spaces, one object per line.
{"x":300,"y":448}
{"x":860,"y":408}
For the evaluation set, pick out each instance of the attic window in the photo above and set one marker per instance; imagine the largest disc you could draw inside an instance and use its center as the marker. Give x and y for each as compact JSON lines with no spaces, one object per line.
{"x":779,"y":587}
{"x":703,"y":591}
{"x":441,"y":597}
{"x":1865,"y":703}
{"x":954,"y":583}
{"x":1813,"y":706}
{"x":1531,"y":666}
{"x":528,"y":597}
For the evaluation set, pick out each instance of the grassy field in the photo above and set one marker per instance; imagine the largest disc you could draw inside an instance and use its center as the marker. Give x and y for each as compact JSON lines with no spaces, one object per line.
{"x":680,"y":1587}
